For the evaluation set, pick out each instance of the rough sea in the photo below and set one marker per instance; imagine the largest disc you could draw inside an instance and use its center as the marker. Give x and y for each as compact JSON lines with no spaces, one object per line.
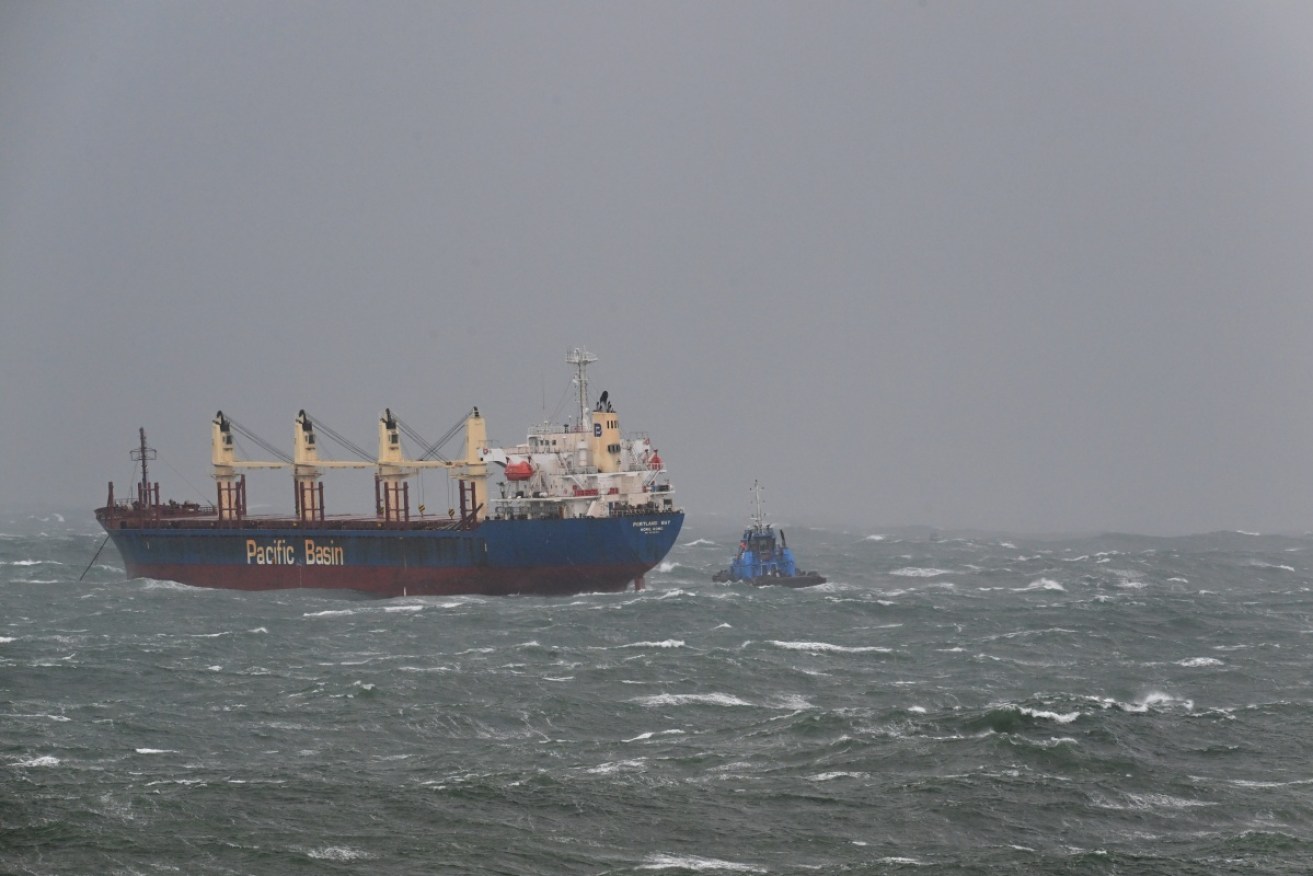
{"x":985,"y":705}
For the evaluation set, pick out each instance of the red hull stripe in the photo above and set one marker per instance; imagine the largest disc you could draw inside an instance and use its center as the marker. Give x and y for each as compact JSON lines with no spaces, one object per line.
{"x":391,"y":581}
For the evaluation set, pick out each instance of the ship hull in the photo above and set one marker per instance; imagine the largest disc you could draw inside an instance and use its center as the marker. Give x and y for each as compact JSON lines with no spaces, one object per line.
{"x":496,"y":557}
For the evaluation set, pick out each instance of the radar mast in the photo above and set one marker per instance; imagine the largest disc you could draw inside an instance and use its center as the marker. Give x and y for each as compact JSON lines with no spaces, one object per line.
{"x":581,"y":359}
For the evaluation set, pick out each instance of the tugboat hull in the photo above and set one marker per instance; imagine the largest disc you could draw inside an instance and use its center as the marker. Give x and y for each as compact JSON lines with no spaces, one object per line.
{"x":807,"y":579}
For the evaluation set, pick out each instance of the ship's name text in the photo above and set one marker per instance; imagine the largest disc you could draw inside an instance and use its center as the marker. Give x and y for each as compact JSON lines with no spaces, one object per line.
{"x":651,"y":527}
{"x":281,"y":552}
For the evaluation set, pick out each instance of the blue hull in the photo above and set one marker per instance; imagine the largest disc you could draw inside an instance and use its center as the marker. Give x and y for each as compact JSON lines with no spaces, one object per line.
{"x":496,"y":557}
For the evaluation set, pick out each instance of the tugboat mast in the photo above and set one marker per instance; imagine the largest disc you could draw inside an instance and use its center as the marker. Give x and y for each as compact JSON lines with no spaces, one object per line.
{"x":759,"y":518}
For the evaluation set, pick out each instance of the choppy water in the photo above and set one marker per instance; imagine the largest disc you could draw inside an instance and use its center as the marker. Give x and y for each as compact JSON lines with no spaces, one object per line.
{"x":977,"y":706}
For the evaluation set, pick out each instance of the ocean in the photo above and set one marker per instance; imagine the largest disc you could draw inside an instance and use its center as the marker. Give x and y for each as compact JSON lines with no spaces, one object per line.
{"x":980,"y":705}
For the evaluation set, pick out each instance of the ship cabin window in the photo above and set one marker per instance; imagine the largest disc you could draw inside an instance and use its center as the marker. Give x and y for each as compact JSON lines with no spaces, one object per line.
{"x":310,"y":439}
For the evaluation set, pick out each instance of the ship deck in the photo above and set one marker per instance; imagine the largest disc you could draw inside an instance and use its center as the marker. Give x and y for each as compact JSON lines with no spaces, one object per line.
{"x":117,"y":518}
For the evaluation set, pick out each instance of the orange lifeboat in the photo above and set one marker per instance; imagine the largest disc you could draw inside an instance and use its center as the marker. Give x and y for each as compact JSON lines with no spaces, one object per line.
{"x":655,"y":462}
{"x":519,"y":471}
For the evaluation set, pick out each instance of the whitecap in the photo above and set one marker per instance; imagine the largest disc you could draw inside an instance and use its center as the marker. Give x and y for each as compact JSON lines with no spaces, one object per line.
{"x":155,"y":751}
{"x":650,"y":734}
{"x":5,"y":640}
{"x":47,"y":717}
{"x":667,"y":643}
{"x":667,"y":566}
{"x":43,"y":761}
{"x":337,"y":853}
{"x":692,"y":862}
{"x":618,"y":766}
{"x":819,"y":647}
{"x":698,"y":541}
{"x":918,"y":572}
{"x":1059,"y":717}
{"x":1041,"y":584}
{"x":793,"y":701}
{"x":711,"y":699}
{"x":1164,"y":801}
{"x":1200,"y":661}
{"x":829,"y":777}
{"x":875,"y":538}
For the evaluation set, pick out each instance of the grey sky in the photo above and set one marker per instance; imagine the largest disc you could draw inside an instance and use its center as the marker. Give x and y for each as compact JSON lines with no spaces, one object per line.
{"x":1028,"y":266}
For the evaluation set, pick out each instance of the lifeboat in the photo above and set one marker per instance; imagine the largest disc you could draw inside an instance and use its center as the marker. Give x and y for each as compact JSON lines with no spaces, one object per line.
{"x":520,"y":470}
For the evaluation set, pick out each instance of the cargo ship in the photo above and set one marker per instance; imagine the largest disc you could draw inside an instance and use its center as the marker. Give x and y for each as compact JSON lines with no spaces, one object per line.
{"x":578,"y":507}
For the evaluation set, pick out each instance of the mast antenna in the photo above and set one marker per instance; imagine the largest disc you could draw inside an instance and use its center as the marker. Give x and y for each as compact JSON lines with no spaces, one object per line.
{"x":581,"y":359}
{"x":759,"y":518}
{"x":142,"y":455}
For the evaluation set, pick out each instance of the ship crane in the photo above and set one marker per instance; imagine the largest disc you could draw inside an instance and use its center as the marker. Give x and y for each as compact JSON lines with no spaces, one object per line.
{"x":307,"y":466}
{"x":230,"y":484}
{"x":392,"y":489}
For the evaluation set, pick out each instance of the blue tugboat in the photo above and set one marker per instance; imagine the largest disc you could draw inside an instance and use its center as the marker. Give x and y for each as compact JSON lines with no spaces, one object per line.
{"x":760,"y":561}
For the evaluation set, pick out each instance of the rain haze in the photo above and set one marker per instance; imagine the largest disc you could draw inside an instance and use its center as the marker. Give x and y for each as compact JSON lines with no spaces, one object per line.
{"x":1015,"y":266}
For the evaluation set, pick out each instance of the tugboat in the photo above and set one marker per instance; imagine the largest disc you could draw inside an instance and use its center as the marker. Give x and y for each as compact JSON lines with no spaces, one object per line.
{"x":760,"y":562}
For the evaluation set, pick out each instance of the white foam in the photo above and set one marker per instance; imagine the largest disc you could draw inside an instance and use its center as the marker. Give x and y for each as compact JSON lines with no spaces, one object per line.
{"x":1246,"y":783}
{"x":618,"y":766}
{"x":697,"y":541}
{"x":692,"y":862}
{"x":1059,"y":717}
{"x":650,"y":734}
{"x":1041,"y":584}
{"x":711,"y":699}
{"x":667,"y":643}
{"x":1164,"y":801}
{"x":667,"y":566}
{"x":5,"y":640}
{"x":918,"y":572}
{"x":338,"y":853}
{"x":47,"y":717}
{"x":1200,"y":661}
{"x":875,"y":538}
{"x":820,"y":647}
{"x":156,"y":751}
{"x":829,"y":777}
{"x":43,"y":761}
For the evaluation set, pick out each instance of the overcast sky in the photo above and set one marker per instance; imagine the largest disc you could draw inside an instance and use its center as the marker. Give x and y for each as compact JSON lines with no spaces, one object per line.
{"x":1009,"y":265}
